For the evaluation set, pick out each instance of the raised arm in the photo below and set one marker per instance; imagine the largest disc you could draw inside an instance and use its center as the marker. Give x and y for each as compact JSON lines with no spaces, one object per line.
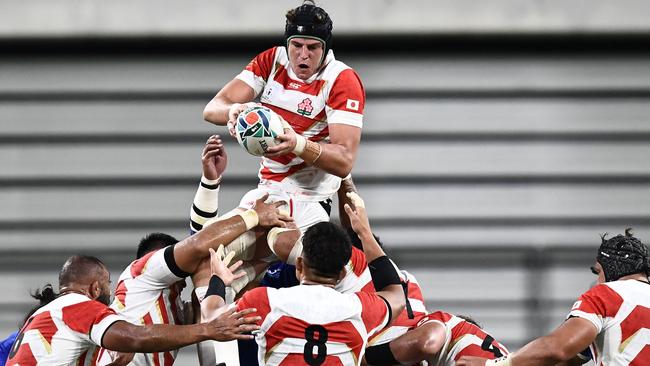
{"x":206,"y":200}
{"x":383,"y":272}
{"x":347,"y":186}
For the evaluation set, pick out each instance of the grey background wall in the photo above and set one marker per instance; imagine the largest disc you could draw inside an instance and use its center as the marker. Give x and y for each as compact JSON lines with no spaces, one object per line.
{"x":499,"y":141}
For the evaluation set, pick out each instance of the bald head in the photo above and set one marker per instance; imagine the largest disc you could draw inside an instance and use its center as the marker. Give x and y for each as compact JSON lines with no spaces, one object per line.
{"x":81,"y":269}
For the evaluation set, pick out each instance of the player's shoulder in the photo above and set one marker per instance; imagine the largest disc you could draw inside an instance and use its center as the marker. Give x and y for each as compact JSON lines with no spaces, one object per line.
{"x":258,"y":293}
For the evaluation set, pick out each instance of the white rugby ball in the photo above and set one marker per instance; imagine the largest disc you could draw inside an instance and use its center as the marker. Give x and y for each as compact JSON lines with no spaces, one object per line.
{"x":257,"y":128}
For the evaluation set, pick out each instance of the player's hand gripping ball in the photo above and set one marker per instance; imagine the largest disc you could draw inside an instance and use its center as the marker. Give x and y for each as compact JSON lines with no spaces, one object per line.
{"x":257,"y":128}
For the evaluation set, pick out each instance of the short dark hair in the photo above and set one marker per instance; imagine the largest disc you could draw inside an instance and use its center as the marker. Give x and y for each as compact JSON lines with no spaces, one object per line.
{"x":356,"y":241}
{"x":154,"y":241}
{"x":79,"y":269}
{"x":326,"y":249}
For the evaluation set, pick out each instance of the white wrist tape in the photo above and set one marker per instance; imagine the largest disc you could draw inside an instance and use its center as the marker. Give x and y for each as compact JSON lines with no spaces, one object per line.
{"x":501,"y":361}
{"x":250,"y":218}
{"x":301,"y":142}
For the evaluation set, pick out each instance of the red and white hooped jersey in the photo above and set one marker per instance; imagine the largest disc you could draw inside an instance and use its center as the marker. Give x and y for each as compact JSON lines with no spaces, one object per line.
{"x":67,"y":331}
{"x":332,"y":95}
{"x":314,"y":323}
{"x":620,"y":311}
{"x":357,"y":275}
{"x":409,"y":317}
{"x":145,"y":295}
{"x":462,"y":339}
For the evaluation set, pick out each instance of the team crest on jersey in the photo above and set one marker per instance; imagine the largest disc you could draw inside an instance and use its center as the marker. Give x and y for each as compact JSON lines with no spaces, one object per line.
{"x":305,"y":108}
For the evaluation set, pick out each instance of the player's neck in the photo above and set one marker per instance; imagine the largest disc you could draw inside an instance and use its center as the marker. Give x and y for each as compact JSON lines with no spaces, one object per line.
{"x":325,"y":283}
{"x":73,"y":290}
{"x":637,"y":276}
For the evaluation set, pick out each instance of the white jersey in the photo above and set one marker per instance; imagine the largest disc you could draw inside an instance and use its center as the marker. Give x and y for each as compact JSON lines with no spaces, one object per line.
{"x":332,"y":95}
{"x":313,"y":324}
{"x":620,"y":311}
{"x":67,"y":331}
{"x":145,"y":295}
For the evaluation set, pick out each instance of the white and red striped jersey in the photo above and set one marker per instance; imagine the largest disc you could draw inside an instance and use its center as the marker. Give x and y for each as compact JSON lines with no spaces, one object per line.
{"x":409,"y":317}
{"x":332,"y":95}
{"x":67,"y":331}
{"x":145,"y":295}
{"x":357,"y":275}
{"x":462,"y":338}
{"x":313,"y":324}
{"x":620,"y":311}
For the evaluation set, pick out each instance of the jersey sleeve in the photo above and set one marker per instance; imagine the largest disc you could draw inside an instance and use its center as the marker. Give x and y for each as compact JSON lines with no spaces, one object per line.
{"x":257,"y":72}
{"x":90,"y":318}
{"x":256,"y":298}
{"x":157,"y":270}
{"x":374,"y":312}
{"x":346,"y":100}
{"x":597,"y":305}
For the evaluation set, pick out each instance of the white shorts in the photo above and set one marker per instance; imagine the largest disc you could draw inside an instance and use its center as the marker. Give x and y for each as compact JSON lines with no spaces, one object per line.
{"x":304,"y":213}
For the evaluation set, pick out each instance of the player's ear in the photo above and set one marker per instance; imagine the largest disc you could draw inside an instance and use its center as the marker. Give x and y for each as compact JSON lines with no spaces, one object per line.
{"x":299,"y":268}
{"x":95,"y":289}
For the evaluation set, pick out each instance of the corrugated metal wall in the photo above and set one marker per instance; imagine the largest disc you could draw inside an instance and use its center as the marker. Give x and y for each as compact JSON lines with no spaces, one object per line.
{"x":488,"y":172}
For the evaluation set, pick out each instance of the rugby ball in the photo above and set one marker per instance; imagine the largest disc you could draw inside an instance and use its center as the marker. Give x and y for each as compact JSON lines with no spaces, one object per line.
{"x":257,"y":128}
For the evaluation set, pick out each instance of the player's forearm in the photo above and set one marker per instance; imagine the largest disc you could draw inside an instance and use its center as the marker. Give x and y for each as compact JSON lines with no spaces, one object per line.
{"x":545,"y":351}
{"x":335,"y":159}
{"x":346,"y":186}
{"x":371,"y":248}
{"x":189,"y":252}
{"x":205,"y":203}
{"x":216,"y":111}
{"x":153,"y":338}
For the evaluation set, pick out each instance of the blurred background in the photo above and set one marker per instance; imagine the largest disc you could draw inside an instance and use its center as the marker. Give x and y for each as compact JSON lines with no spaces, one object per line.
{"x":500,"y":138}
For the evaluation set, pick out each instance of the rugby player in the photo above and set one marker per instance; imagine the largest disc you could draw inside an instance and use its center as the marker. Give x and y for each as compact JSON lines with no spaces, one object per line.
{"x":321,"y":99}
{"x":612,"y":318}
{"x":70,"y":328}
{"x":440,"y":339}
{"x":313,"y":323}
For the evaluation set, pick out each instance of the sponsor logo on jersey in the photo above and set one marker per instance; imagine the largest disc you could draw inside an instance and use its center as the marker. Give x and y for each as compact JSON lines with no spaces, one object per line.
{"x":305,"y":108}
{"x":576,"y":305}
{"x":352,"y":105}
{"x":294,"y":85}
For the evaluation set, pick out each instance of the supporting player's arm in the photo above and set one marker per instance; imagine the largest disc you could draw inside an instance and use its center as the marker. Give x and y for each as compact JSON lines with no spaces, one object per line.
{"x":189,"y":252}
{"x":206,"y":200}
{"x":383,"y":272}
{"x":347,"y":186}
{"x":123,"y":336}
{"x":563,"y":344}
{"x":227,"y":104}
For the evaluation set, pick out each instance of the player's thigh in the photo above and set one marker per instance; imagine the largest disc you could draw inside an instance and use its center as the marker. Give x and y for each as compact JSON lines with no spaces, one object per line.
{"x":307,"y":214}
